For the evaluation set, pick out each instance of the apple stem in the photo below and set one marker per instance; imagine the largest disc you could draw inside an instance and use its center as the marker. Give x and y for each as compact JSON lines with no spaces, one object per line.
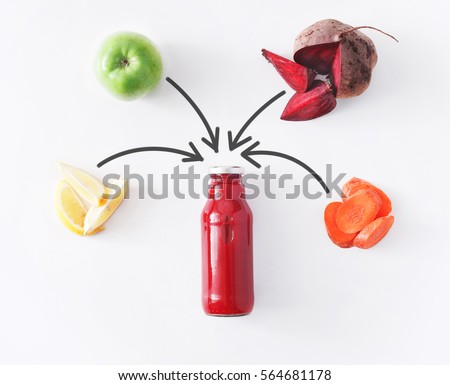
{"x":124,"y":63}
{"x":367,"y":26}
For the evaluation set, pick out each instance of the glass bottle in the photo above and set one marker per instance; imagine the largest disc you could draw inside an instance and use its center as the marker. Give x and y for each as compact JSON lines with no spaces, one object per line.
{"x":227,"y":245}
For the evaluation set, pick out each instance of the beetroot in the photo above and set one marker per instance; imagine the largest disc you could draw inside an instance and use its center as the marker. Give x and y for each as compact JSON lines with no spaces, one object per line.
{"x":318,"y":101}
{"x":328,"y":47}
{"x":298,"y":77}
{"x":345,"y":53}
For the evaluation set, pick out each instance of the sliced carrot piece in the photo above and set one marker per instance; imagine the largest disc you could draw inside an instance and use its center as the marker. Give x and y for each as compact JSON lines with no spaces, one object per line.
{"x":374,"y":232}
{"x":355,"y":185}
{"x":338,"y":237}
{"x":358,"y":211}
{"x":350,"y":185}
{"x":386,"y":205}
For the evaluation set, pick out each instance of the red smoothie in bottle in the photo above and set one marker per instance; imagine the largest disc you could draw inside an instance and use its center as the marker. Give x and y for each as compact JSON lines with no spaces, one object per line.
{"x":227,"y":245}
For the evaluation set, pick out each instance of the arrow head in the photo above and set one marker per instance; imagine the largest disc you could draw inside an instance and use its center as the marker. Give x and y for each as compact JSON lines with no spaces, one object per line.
{"x":213,"y":143}
{"x":195,"y":157}
{"x":235,"y":143}
{"x":248,"y":152}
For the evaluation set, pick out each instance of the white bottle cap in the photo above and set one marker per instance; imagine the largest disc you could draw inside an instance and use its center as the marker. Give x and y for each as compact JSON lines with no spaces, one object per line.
{"x":226,"y":170}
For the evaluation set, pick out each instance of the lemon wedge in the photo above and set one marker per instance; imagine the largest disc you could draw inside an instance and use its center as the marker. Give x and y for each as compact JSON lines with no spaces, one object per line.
{"x":71,"y":210}
{"x":97,"y":215}
{"x":85,"y":185}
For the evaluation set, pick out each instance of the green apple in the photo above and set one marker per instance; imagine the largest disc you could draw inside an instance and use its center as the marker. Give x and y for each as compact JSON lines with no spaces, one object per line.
{"x":128,"y":65}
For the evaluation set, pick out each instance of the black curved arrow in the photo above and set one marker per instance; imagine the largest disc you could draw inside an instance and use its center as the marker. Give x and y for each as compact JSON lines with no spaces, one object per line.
{"x":190,"y":157}
{"x":234,"y":143}
{"x":214,"y":137}
{"x":248,"y":152}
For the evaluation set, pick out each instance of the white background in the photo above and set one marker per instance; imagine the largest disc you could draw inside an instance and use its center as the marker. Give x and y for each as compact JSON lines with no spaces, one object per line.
{"x":132,"y":294}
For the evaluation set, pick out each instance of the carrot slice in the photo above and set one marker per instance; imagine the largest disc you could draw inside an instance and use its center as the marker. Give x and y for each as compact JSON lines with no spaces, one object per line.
{"x":337,"y":236}
{"x":350,"y":185}
{"x":358,"y":211}
{"x":355,"y":185}
{"x":373,"y":232}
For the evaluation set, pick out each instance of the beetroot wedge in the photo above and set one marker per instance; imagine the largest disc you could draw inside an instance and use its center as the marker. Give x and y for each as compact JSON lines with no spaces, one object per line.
{"x":351,"y":72}
{"x":319,"y":57}
{"x":299,"y":78}
{"x":318,"y":101}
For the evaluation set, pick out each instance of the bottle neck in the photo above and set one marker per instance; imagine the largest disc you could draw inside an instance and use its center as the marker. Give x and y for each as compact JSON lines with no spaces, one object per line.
{"x":226,"y":187}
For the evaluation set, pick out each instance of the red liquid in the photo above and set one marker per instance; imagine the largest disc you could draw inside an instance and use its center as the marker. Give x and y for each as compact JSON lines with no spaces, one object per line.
{"x":227,"y":248}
